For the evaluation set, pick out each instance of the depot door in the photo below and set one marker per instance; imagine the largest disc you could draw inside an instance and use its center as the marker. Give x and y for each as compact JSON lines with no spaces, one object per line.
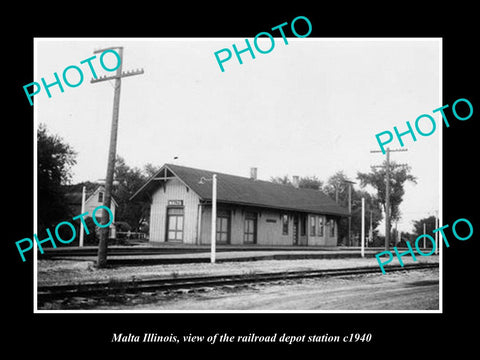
{"x":223,"y":226}
{"x":175,"y":224}
{"x":250,"y":230}
{"x":295,"y":230}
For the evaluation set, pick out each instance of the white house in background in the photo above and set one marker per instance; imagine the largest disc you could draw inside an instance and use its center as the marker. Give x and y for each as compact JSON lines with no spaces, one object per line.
{"x":96,"y":199}
{"x":92,"y":201}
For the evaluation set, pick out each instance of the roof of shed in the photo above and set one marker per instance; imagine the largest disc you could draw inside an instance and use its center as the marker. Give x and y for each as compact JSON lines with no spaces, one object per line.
{"x":246,"y":191}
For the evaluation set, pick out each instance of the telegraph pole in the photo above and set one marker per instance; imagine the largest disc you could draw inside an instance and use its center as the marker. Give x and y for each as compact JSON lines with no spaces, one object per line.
{"x":103,"y":242}
{"x":80,"y":241}
{"x":350,"y":183}
{"x":387,"y":193}
{"x":213,"y":238}
{"x":362,"y":251}
{"x":437,"y":225}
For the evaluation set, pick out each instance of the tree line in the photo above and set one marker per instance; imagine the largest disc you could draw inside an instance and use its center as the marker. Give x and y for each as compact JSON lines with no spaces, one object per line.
{"x":337,"y":188}
{"x":56,"y":159}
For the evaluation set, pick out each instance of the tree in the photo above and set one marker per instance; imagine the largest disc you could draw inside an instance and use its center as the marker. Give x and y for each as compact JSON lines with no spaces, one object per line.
{"x":149,"y":170}
{"x":310,"y":182}
{"x":398,"y":176}
{"x":90,"y":187}
{"x":55,"y":159}
{"x":281,"y":180}
{"x":129,"y":181}
{"x":307,"y":182}
{"x":372,"y":208}
{"x":430,"y":225}
{"x":337,"y":188}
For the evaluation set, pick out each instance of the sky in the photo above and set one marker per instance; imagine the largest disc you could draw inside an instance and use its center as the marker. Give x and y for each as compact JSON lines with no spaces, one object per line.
{"x":309,"y":108}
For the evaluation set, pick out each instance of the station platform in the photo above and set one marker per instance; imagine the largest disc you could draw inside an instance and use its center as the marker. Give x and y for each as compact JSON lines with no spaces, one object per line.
{"x":184,"y":254}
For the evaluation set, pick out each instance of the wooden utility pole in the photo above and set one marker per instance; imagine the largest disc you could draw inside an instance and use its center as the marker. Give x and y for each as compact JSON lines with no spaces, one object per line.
{"x":350,"y":183}
{"x":103,"y":242}
{"x":363,"y":229}
{"x":387,"y":193}
{"x":80,"y":241}
{"x":424,"y":232}
{"x":437,"y":225}
{"x":370,"y":231}
{"x":213,"y":237}
{"x":213,"y":232}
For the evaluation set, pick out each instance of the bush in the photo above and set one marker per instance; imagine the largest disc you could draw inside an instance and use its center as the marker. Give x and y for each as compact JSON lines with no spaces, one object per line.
{"x":65,"y":232}
{"x":378,"y":241}
{"x":123,"y":226}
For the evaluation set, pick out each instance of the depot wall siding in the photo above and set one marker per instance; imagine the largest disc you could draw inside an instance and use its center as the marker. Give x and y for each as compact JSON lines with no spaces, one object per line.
{"x":206,"y":225}
{"x":197,"y":221}
{"x":269,"y":226}
{"x":332,"y":240}
{"x":321,"y":238}
{"x":270,"y":229}
{"x":173,"y":189}
{"x":236,"y":225}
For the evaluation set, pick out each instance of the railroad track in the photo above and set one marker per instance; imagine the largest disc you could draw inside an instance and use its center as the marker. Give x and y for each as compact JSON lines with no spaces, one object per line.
{"x":53,"y":292}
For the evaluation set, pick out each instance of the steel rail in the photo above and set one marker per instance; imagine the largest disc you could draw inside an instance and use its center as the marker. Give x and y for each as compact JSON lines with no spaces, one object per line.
{"x":47,"y":293}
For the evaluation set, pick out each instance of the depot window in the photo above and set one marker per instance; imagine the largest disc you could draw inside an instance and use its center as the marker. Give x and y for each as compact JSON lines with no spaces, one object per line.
{"x":284,"y":224}
{"x":332,"y":228}
{"x":312,"y":225}
{"x":320,"y":226}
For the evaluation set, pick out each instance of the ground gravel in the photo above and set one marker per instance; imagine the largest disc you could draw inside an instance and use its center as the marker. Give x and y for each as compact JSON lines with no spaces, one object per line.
{"x":53,"y":272}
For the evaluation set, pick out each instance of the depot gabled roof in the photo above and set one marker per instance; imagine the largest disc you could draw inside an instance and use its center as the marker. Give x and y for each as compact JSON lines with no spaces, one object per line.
{"x":240,"y":190}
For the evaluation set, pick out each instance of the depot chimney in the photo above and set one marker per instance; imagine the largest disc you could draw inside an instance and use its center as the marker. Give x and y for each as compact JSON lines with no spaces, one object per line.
{"x":253,"y":173}
{"x":295,"y":181}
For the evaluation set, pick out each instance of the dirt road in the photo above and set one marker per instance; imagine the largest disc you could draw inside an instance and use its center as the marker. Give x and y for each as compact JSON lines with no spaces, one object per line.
{"x":412,"y":290}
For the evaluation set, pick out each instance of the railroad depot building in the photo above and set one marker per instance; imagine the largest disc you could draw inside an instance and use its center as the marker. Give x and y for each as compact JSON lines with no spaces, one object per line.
{"x":249,"y":211}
